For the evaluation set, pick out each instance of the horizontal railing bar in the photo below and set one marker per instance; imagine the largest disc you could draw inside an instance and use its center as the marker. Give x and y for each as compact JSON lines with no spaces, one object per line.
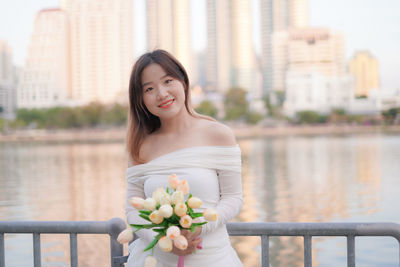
{"x":314,"y":229}
{"x":112,"y":227}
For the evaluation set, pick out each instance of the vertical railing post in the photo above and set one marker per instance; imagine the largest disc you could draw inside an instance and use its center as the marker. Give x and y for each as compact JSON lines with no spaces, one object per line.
{"x":115,"y":226}
{"x":350,"y":251}
{"x":307,"y":251}
{"x":36,"y":250}
{"x":2,"y":251}
{"x":73,"y":248}
{"x":265,"y":251}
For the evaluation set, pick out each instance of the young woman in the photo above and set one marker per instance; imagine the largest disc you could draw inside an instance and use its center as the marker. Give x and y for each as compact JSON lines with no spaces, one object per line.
{"x":167,"y":136}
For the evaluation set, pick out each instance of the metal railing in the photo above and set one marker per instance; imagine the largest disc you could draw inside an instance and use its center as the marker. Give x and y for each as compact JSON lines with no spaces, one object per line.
{"x":112,"y":227}
{"x":308,"y":230}
{"x":265,"y":230}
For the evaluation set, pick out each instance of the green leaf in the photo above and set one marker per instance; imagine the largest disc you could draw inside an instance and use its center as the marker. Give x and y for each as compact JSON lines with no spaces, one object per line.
{"x":167,"y":190}
{"x":192,"y":228}
{"x":145,"y":212}
{"x":190,"y":195}
{"x":145,"y":226}
{"x":199,"y":224}
{"x":197,"y":215}
{"x":153,"y":243}
{"x":145,"y":217}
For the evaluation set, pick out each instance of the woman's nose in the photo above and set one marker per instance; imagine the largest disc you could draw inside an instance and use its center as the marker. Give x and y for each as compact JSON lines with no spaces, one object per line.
{"x":162,"y":92}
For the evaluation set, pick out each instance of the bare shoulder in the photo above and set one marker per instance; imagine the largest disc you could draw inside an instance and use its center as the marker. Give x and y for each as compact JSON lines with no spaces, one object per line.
{"x":218,"y":134}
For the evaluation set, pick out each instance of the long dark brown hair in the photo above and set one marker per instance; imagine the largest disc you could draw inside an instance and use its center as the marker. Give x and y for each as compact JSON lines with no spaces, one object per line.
{"x":141,"y":121}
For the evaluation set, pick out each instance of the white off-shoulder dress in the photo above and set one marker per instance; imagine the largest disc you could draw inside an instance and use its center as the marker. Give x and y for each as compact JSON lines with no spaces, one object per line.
{"x":214,"y":175}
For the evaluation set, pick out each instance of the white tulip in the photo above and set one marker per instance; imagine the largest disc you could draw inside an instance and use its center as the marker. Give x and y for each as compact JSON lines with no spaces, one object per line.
{"x":158,"y":194}
{"x":173,"y":181}
{"x":165,"y":199}
{"x":156,"y":217}
{"x":136,"y":202}
{"x":165,"y":244}
{"x":185,"y":221}
{"x":125,"y":236}
{"x":177,"y":197}
{"x":210,"y":215}
{"x":181,"y":242}
{"x":180,"y":209}
{"x":149,"y":204}
{"x":173,"y":232}
{"x":183,"y":186}
{"x":194,"y":202}
{"x":166,"y":210}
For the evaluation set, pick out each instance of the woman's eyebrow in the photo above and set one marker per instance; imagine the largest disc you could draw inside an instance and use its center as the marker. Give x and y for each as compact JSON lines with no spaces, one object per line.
{"x":146,"y":83}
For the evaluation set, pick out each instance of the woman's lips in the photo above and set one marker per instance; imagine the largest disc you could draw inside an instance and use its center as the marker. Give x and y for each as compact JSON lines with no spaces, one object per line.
{"x":167,"y":104}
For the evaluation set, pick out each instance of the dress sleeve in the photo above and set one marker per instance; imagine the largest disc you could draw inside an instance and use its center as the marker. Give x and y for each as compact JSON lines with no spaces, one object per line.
{"x":230,"y":204}
{"x":135,"y":188}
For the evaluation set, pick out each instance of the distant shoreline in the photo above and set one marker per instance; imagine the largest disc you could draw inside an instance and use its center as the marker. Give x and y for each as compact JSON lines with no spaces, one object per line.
{"x":241,"y":132}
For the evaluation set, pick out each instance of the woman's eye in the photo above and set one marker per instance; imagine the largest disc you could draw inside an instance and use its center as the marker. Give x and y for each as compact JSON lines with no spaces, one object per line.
{"x":168,"y":81}
{"x":148,"y":89}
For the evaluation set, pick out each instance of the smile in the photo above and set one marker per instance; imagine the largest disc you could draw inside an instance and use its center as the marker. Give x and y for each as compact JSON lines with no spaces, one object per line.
{"x":167,"y":104}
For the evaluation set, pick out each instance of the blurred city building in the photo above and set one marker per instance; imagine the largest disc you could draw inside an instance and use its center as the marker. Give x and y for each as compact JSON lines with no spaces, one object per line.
{"x":230,"y":53}
{"x":314,"y":72}
{"x":218,"y":54}
{"x":101,"y":48}
{"x":364,"y":67}
{"x":231,"y":59}
{"x":45,"y":79}
{"x":7,"y":82}
{"x":276,"y":16}
{"x":168,"y":28}
{"x":317,"y":92}
{"x":377,"y":101}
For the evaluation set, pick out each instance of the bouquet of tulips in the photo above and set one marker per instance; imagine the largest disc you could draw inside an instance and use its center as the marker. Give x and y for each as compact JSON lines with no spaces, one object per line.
{"x":168,"y":214}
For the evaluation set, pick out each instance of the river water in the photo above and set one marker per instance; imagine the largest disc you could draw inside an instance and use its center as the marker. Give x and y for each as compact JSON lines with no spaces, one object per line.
{"x":321,"y":178}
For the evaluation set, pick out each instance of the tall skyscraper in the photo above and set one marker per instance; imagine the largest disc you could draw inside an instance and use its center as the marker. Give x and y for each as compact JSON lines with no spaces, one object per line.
{"x":230,"y":53}
{"x":218,"y":55}
{"x":242,"y":51}
{"x":101,"y":48}
{"x":7,"y":82}
{"x":45,"y":80}
{"x":278,"y":15}
{"x":168,"y":28}
{"x":364,"y":67}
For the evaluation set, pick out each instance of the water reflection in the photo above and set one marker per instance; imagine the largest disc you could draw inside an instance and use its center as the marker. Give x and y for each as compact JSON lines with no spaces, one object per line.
{"x":285,"y":179}
{"x":308,"y":179}
{"x":63,"y":182}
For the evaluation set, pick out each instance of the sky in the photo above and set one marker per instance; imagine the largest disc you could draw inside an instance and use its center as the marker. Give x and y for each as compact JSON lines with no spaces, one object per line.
{"x":367,"y":25}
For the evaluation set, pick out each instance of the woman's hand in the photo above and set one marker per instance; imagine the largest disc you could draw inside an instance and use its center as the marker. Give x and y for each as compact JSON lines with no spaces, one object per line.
{"x":193,"y":239}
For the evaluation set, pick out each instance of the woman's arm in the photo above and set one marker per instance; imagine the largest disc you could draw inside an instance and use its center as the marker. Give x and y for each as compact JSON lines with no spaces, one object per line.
{"x":230,"y":204}
{"x":135,"y":189}
{"x":230,"y":182}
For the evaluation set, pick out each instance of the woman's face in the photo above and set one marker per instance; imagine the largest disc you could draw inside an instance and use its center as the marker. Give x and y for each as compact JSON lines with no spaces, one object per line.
{"x":163,"y":95}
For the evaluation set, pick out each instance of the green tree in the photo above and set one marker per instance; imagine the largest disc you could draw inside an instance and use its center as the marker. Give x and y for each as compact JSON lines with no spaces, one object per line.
{"x":390,"y":115}
{"x":309,"y":117}
{"x":115,"y":116}
{"x":236,"y":105}
{"x":207,"y":108}
{"x":253,"y":117}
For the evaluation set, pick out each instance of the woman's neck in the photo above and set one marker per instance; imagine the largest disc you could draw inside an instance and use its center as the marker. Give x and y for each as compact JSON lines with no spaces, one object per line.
{"x":178,"y":124}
